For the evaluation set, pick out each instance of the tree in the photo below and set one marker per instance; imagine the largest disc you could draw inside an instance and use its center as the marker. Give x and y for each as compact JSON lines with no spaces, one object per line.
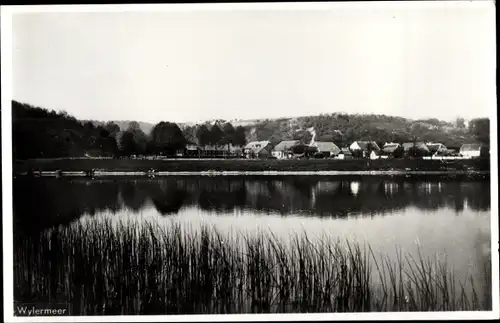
{"x":460,"y":123}
{"x":167,"y":138}
{"x":239,"y":137}
{"x":127,"y":143}
{"x":112,"y":128}
{"x":203,"y":135}
{"x":399,"y":152}
{"x":134,"y":125}
{"x":229,"y":133}
{"x":140,"y":138}
{"x":189,"y":133}
{"x":216,"y":135}
{"x":479,"y":128}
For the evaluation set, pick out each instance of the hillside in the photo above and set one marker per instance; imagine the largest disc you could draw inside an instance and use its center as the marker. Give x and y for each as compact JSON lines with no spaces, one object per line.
{"x":343,"y":129}
{"x":123,"y":124}
{"x":40,"y":133}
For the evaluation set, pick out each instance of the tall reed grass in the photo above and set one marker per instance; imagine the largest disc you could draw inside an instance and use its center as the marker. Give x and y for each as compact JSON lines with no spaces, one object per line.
{"x":104,"y":268}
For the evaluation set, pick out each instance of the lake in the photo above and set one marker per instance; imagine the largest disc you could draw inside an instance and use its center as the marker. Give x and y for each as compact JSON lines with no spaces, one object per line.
{"x":433,"y":219}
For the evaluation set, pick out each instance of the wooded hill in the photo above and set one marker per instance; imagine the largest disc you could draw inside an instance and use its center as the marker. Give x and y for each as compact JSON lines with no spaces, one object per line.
{"x":343,"y":129}
{"x":41,"y":133}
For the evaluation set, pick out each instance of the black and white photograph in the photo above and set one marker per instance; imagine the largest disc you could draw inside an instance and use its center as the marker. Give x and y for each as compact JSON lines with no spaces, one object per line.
{"x":249,"y":161}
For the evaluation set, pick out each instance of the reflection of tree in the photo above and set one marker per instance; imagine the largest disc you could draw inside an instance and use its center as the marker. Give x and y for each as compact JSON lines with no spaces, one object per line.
{"x":58,"y":201}
{"x":134,"y":195}
{"x":47,"y":202}
{"x":168,"y":199}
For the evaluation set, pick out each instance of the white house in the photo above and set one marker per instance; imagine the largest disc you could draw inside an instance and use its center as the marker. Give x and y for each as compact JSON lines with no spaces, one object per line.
{"x":283,"y":149}
{"x":470,"y":150}
{"x":366,"y":147}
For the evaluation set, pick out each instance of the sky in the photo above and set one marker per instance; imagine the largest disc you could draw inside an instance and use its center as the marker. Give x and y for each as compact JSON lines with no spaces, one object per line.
{"x":415,"y":60}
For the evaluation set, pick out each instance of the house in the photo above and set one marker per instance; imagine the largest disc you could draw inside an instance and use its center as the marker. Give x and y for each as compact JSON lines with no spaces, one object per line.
{"x":345,"y":153}
{"x":214,"y":151}
{"x":258,"y":149}
{"x":178,"y":153}
{"x":363,"y":148}
{"x":326,"y":148}
{"x":235,"y":150}
{"x":192,"y":150}
{"x":374,"y":155}
{"x":471,"y":150}
{"x":415,"y":149}
{"x":392,"y":149}
{"x":284,"y":149}
{"x":436,"y":148}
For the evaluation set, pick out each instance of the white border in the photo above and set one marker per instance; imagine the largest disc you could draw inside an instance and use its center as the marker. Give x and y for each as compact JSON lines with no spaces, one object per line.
{"x":6,"y":88}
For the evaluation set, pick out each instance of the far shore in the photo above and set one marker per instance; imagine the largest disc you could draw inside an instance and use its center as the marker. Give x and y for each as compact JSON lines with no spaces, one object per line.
{"x":237,"y":167}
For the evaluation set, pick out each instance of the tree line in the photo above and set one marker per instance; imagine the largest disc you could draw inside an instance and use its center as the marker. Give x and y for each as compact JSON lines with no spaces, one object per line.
{"x":40,"y":133}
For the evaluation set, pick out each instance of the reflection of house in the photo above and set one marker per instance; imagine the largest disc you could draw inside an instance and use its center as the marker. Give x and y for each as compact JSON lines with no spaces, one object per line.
{"x":257,"y":149}
{"x":437,"y":148}
{"x":471,"y":150}
{"x":326,"y":148}
{"x":364,"y":148}
{"x":391,"y":149}
{"x":284,"y":149}
{"x":419,"y":148}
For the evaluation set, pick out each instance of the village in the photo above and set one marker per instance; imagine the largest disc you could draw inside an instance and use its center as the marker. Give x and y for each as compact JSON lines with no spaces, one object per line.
{"x":294,"y":149}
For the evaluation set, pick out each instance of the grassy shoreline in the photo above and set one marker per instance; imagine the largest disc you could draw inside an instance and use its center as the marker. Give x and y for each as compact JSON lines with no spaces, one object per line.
{"x":105,"y":268}
{"x":245,"y":165}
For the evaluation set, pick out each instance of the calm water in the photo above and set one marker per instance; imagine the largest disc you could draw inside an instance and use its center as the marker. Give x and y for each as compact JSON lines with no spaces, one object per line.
{"x":441,"y":218}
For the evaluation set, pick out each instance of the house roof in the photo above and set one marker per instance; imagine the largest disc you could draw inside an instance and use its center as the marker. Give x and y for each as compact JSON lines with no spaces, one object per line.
{"x":327,"y":146}
{"x":257,"y":146}
{"x":470,"y":147}
{"x":286,"y":144}
{"x":346,"y":151}
{"x":420,"y":145}
{"x":433,"y":147}
{"x":390,"y":148}
{"x":365,"y":145}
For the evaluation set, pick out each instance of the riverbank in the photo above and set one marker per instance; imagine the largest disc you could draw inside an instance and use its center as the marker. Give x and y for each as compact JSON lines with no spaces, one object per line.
{"x":140,"y":167}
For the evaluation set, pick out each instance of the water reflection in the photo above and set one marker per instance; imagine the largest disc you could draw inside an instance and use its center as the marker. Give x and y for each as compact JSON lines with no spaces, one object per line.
{"x":46,"y":202}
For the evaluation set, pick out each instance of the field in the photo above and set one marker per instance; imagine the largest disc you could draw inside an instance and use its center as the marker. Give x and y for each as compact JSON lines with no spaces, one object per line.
{"x":131,"y":268}
{"x":198,"y":165}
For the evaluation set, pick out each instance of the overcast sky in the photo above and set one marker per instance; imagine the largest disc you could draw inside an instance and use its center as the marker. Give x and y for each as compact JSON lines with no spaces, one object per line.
{"x":413,"y":60}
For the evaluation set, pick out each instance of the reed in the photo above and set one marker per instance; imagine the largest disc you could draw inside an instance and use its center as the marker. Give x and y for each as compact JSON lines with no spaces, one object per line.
{"x":109,"y":268}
